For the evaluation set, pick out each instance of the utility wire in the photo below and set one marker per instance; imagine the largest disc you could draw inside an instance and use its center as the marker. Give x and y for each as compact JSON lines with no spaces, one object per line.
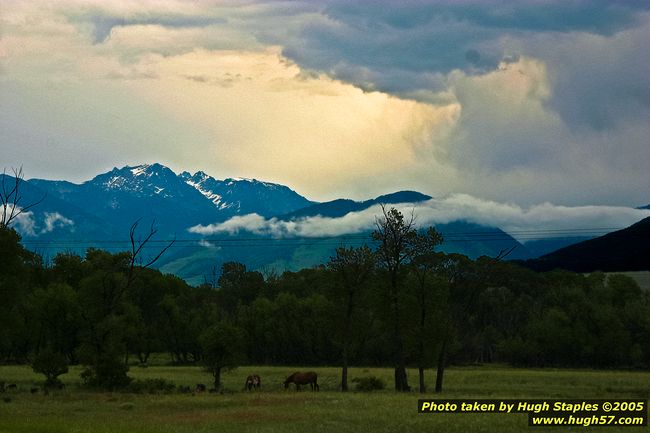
{"x":541,"y":233}
{"x":450,"y":238}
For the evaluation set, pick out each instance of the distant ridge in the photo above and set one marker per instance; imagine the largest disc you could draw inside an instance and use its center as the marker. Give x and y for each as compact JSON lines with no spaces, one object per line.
{"x":99,"y":212}
{"x":619,"y":251}
{"x":340,"y":207}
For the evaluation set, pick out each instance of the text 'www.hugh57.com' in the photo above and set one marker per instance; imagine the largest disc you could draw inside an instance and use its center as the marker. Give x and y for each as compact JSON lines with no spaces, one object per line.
{"x":551,"y":413}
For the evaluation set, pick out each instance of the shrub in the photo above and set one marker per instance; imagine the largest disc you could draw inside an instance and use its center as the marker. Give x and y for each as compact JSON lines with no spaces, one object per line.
{"x":52,"y":365}
{"x":369,"y":383}
{"x":151,"y":386}
{"x":107,"y":373}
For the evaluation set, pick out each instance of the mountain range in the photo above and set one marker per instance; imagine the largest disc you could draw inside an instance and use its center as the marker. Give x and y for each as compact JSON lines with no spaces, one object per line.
{"x":100,"y":211}
{"x":123,"y":195}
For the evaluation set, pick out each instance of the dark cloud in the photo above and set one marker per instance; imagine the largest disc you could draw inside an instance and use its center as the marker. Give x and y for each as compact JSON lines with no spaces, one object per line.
{"x":575,"y":128}
{"x":600,"y":83}
{"x":595,"y":50}
{"x":595,"y":16}
{"x":473,"y":56}
{"x":588,"y":129}
{"x":405,"y":47}
{"x":592,"y":53}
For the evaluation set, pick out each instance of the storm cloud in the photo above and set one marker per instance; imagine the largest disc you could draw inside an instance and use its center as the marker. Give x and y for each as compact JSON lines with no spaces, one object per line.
{"x":509,"y":101}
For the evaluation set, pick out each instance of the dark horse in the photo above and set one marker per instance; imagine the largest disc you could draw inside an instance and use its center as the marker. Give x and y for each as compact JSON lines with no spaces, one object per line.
{"x":253,"y":382}
{"x":302,"y":379}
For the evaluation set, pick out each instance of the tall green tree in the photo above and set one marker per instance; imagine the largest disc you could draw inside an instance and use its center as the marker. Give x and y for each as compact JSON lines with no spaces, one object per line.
{"x":352,"y":267}
{"x":223,"y":349}
{"x":104,"y":311}
{"x":396,"y":236}
{"x":18,"y":277}
{"x":145,"y":295}
{"x":459,"y":273}
{"x":425,"y":263}
{"x":51,"y":364}
{"x":238,"y":286}
{"x":56,"y":318}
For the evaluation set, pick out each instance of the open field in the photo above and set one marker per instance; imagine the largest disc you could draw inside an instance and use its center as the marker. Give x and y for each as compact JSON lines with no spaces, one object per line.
{"x":274,"y":409}
{"x":642,"y":278}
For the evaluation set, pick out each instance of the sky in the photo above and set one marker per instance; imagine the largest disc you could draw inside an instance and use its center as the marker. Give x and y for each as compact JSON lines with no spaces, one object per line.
{"x":542,"y":101}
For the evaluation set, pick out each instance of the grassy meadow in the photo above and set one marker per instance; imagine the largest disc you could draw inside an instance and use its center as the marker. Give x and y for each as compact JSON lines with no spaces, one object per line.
{"x":642,"y":278}
{"x":273,"y":409}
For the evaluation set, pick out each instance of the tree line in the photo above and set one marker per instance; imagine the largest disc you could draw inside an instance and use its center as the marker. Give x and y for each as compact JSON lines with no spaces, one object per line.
{"x":401,"y":303}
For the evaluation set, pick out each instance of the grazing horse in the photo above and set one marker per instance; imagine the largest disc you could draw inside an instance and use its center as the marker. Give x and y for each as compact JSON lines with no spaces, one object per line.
{"x":253,"y":381}
{"x":302,"y":379}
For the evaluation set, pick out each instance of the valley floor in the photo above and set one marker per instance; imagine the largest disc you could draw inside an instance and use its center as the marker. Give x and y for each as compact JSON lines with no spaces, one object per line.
{"x":273,"y":409}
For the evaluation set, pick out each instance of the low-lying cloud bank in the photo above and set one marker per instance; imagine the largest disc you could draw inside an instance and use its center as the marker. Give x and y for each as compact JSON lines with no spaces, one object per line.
{"x":539,"y":221}
{"x":26,"y":223}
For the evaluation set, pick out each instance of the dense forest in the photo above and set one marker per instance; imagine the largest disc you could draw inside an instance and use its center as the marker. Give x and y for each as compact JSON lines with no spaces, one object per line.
{"x":401,"y":304}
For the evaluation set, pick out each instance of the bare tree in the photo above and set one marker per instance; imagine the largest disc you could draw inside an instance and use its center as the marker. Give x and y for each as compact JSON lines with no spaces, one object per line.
{"x":137,"y":246}
{"x":11,"y":199}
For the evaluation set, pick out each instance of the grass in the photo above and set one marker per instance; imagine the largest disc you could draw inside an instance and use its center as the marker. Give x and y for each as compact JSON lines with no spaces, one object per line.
{"x":642,"y":278}
{"x":274,"y":409}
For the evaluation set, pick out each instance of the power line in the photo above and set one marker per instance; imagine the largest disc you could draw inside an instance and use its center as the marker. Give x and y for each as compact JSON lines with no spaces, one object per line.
{"x":301,"y":241}
{"x":538,"y":233}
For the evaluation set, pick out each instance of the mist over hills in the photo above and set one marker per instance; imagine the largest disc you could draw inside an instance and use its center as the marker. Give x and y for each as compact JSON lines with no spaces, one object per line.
{"x":247,"y":220}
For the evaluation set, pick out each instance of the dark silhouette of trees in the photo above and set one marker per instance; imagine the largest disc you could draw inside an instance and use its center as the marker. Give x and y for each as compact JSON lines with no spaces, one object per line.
{"x":110,"y":317}
{"x":457,"y":270}
{"x":237,"y":286}
{"x":426,"y":265}
{"x":55,"y":318}
{"x":353,"y":267}
{"x":396,"y":236}
{"x":18,"y":275}
{"x":362,"y":308}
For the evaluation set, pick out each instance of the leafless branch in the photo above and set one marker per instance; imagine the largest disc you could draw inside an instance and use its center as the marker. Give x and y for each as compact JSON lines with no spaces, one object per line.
{"x":162,"y":251}
{"x":505,"y":252}
{"x":137,"y":247}
{"x":10,"y":197}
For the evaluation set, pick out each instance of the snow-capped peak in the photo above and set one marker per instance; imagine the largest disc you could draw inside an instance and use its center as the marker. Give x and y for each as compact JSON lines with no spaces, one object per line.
{"x":140,"y":179}
{"x":140,"y":169}
{"x":197,"y":181}
{"x":201,"y":175}
{"x":234,"y":195}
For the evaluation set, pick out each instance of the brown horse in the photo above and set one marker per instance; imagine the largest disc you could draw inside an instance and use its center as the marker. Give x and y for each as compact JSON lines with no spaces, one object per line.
{"x":253,"y":382}
{"x":303,"y":379}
